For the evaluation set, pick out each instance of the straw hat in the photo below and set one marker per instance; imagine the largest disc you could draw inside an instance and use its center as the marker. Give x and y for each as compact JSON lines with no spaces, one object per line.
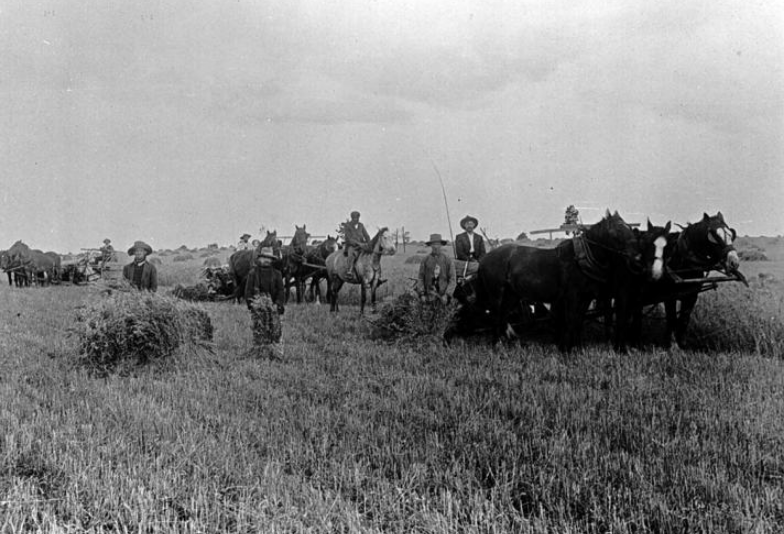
{"x":244,"y":236}
{"x":436,"y":238}
{"x":266,"y":252}
{"x":140,"y":244}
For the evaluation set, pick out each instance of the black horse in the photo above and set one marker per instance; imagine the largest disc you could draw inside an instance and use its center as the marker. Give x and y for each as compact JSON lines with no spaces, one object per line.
{"x":293,"y":263}
{"x":316,"y":262}
{"x":603,"y":261}
{"x":689,"y":255}
{"x":241,"y":262}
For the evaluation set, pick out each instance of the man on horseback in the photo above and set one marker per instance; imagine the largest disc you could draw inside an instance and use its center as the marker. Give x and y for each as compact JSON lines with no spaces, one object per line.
{"x":243,"y":243}
{"x":356,"y":238}
{"x":468,"y":245}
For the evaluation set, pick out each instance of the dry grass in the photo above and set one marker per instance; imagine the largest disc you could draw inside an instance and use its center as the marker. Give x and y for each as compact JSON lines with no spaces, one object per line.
{"x":351,"y":435}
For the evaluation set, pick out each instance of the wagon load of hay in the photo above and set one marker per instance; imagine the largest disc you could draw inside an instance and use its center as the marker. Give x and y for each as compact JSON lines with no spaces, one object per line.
{"x":138,"y":327}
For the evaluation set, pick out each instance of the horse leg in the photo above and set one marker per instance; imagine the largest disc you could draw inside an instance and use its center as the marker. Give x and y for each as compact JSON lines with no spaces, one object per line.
{"x":362,"y":296}
{"x":335,"y":283}
{"x":682,"y":322}
{"x":671,"y":313}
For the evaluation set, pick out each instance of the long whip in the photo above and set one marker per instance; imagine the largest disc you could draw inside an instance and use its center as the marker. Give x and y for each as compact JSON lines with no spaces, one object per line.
{"x":446,"y":205}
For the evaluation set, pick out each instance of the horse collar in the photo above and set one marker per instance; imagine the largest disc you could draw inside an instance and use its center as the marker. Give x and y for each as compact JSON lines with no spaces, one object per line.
{"x":586,"y":260}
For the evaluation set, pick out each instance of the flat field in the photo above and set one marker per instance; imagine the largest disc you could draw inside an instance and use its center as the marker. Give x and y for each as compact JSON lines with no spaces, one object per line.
{"x":351,"y":434}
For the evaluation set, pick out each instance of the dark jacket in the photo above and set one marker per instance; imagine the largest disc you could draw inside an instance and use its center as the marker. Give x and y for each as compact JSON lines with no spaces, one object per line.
{"x":265,"y":279}
{"x":355,"y":235}
{"x":429,"y":283}
{"x":463,"y":246}
{"x":149,"y":280}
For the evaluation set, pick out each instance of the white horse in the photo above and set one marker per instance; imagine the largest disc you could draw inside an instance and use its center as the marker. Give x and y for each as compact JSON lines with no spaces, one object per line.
{"x":367,"y":268}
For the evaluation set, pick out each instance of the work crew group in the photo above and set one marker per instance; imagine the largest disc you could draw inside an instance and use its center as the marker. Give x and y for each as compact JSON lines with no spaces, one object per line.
{"x":264,"y":289}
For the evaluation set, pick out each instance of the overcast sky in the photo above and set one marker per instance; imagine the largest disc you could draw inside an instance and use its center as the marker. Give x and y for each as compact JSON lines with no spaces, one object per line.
{"x":192,"y":122}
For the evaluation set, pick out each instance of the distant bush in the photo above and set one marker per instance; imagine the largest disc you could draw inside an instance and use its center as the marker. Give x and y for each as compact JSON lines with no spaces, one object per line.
{"x":182,"y":257}
{"x":752,"y":255}
{"x":137,"y":327}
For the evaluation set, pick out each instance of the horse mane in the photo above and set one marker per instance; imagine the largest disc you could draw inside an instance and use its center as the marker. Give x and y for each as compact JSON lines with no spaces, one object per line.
{"x":374,"y":241}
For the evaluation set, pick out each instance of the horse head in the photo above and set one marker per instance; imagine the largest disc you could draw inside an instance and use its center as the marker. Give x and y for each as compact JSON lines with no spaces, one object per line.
{"x":383,"y":243}
{"x":711,"y":242}
{"x":300,"y":240}
{"x":328,"y":246}
{"x":653,"y":242}
{"x":614,"y":238}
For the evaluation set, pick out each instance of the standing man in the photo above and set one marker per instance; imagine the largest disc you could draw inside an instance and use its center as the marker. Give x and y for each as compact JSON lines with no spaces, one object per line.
{"x":468,"y":245}
{"x":141,"y":273}
{"x":437,"y":273}
{"x":356,"y":238}
{"x":243,"y":244}
{"x":264,"y":295}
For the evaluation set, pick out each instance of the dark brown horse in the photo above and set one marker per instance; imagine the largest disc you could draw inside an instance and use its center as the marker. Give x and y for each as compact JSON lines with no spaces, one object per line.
{"x":603,"y":261}
{"x":316,"y":259}
{"x":241,"y":262}
{"x":33,"y":265}
{"x":293,"y":263}
{"x":689,"y":255}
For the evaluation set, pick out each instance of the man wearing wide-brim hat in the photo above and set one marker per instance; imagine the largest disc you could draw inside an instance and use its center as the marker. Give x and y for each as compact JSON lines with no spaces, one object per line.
{"x":243,"y":243}
{"x":468,"y":245}
{"x":264,"y":295}
{"x":436,"y":273}
{"x":141,"y":273}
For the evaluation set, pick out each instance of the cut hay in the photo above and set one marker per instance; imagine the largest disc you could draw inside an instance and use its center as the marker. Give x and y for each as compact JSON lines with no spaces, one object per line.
{"x":138,"y":327}
{"x":408,"y":319}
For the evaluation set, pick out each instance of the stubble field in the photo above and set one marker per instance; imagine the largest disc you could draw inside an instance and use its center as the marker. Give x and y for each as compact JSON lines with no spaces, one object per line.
{"x":349,"y":434}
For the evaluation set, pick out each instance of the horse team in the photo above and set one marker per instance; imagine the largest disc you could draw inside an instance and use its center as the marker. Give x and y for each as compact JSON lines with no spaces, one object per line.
{"x":611,"y":266}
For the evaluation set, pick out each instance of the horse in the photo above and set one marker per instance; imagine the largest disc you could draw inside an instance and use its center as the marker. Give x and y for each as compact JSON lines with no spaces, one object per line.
{"x":603,"y":261}
{"x":689,"y":254}
{"x":292,"y":264}
{"x":316,"y":256}
{"x":241,"y":262}
{"x":32,"y":264}
{"x":367,"y":266}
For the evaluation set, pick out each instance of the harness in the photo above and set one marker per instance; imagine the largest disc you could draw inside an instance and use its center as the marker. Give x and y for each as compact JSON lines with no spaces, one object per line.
{"x":692,"y":258}
{"x":586,"y":260}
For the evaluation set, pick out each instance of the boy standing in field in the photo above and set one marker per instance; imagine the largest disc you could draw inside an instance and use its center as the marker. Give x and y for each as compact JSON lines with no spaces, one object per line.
{"x":264,"y":295}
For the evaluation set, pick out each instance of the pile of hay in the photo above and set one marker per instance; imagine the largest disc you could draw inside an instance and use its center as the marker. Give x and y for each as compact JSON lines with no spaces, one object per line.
{"x":408,"y":318}
{"x":138,"y":327}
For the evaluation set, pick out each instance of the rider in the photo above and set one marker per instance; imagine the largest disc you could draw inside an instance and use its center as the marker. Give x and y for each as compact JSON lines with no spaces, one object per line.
{"x":243,"y":243}
{"x":356,"y":238}
{"x":107,"y":251}
{"x":469,"y":246}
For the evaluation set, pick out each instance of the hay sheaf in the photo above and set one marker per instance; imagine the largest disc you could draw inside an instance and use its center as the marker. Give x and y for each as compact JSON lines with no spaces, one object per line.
{"x":138,"y":327}
{"x":409,"y":319}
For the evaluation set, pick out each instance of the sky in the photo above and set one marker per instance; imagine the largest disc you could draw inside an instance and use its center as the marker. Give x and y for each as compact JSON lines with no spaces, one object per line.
{"x":192,"y":122}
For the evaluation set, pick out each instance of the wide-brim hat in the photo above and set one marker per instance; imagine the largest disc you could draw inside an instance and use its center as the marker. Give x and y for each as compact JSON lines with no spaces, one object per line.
{"x":436,"y":238}
{"x":467,"y":218}
{"x":140,"y":244}
{"x":244,"y":236}
{"x":107,"y":240}
{"x":266,"y":252}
